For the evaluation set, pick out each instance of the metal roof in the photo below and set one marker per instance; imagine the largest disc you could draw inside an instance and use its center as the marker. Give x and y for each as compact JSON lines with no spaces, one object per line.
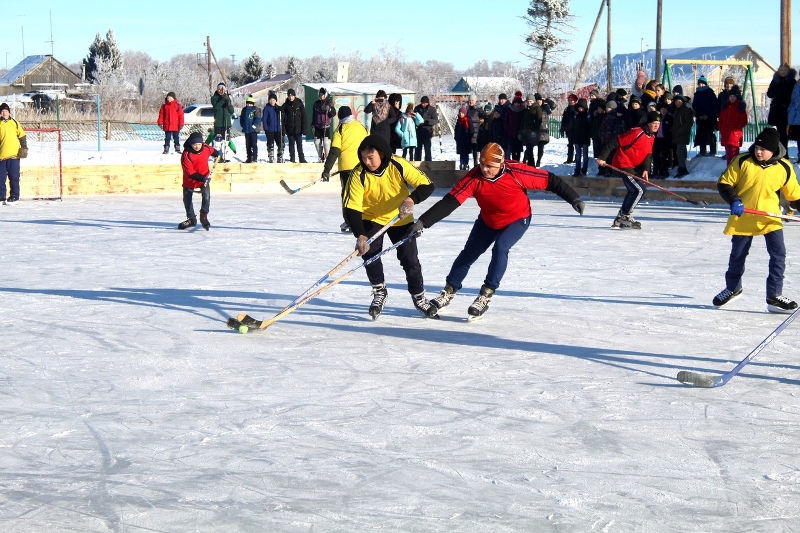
{"x":358,"y":88}
{"x":22,"y":68}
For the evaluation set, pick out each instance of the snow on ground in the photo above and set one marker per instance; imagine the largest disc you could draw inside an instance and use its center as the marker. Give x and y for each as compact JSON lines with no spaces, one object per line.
{"x":128,"y":405}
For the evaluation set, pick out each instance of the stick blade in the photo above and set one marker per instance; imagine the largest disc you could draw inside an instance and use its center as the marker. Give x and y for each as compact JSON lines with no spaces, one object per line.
{"x":699,"y":380}
{"x":286,"y":186}
{"x":702,"y":203}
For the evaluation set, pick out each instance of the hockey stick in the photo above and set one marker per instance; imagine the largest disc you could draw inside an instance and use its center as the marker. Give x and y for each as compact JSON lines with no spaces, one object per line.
{"x":774,"y":215}
{"x":704,"y":380}
{"x":676,"y":195}
{"x":306,"y":186}
{"x":208,"y":180}
{"x":248,"y":322}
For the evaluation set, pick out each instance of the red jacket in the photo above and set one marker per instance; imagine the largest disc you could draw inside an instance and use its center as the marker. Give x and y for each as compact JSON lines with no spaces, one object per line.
{"x":503,"y":200}
{"x":634,"y":147}
{"x":170,"y":116}
{"x":195,"y":165}
{"x":732,"y":121}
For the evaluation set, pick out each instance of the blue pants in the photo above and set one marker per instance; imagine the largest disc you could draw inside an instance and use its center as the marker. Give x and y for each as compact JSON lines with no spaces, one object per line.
{"x":740,"y":247}
{"x":205,"y":193}
{"x":9,"y":169}
{"x":636,"y":190}
{"x":176,"y":138}
{"x":582,"y":158}
{"x":479,"y":240}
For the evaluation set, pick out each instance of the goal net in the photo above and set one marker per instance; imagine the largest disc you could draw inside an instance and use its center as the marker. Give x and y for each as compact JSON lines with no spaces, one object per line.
{"x":40,"y":175}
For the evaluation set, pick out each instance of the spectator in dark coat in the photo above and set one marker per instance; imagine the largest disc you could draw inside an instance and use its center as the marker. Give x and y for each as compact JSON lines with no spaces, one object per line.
{"x":583,"y":136}
{"x":706,"y":110}
{"x":476,"y":115}
{"x":496,"y":131}
{"x":780,"y":90}
{"x":547,"y":106}
{"x":531,"y":126}
{"x":272,"y":120}
{"x":682,"y":122}
{"x":384,"y":116}
{"x":462,"y":132}
{"x":636,"y":114}
{"x":568,"y":127}
{"x":612,"y":125}
{"x":223,"y":112}
{"x":430,"y":119}
{"x":512,"y":123}
{"x":596,"y":118}
{"x":294,"y":120}
{"x":395,"y":101}
{"x":662,"y":146}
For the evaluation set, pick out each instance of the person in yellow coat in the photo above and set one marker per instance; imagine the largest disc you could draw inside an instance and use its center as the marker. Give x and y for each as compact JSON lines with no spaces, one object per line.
{"x":13,"y":147}
{"x":753,"y":180}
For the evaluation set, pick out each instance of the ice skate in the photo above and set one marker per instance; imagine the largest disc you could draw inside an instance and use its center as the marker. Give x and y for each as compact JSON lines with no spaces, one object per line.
{"x":446,"y":296}
{"x":379,"y":296}
{"x":424,"y":305}
{"x":188,"y":223}
{"x":204,"y":221}
{"x":726,"y":296}
{"x":481,"y":303}
{"x":781,"y":304}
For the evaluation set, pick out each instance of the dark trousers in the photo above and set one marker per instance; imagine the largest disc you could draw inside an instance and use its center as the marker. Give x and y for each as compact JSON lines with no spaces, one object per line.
{"x":344,"y":175}
{"x":704,"y":137}
{"x":188,"y":193}
{"x":273,"y":138}
{"x":740,"y":247}
{"x":636,"y":190}
{"x":9,"y":169}
{"x":251,"y":146}
{"x":296,"y":140}
{"x":570,"y":149}
{"x":479,"y":240}
{"x":423,"y":142}
{"x":176,"y":138}
{"x":527,"y":156}
{"x":661,"y":153}
{"x":582,"y":158}
{"x":406,"y":253}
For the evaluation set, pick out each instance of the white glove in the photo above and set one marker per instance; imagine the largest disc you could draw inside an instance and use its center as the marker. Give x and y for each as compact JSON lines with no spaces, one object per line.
{"x":406,"y":208}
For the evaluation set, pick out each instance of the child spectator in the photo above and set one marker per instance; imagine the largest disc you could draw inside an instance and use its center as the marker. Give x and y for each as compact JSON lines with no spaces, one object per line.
{"x":170,"y":118}
{"x":732,"y":120}
{"x":406,"y":129}
{"x":250,"y":120}
{"x":463,"y":137}
{"x":272,"y":117}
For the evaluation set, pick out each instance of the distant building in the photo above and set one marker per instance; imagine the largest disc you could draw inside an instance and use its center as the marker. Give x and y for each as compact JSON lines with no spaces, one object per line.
{"x":260,"y":89}
{"x":487,"y":87}
{"x":38,"y":72}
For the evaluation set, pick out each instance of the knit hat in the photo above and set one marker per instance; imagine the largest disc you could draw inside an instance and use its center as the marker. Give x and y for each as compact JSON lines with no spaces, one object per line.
{"x":611,"y":104}
{"x":677,"y":89}
{"x":487,"y":107}
{"x":462,"y":109}
{"x":5,"y":106}
{"x":769,"y":139}
{"x":194,"y":138}
{"x":622,"y":92}
{"x":518,"y":94}
{"x":502,"y":96}
{"x":291,"y":92}
{"x":640,"y":77}
{"x":533,"y":97}
{"x":595,"y":93}
{"x":424,"y":100}
{"x":572,"y":98}
{"x":582,"y":103}
{"x":636,"y":100}
{"x":653,"y":116}
{"x":730,"y":80}
{"x":322,"y":90}
{"x":702,"y":79}
{"x":272,"y":96}
{"x":651,"y":106}
{"x":172,"y":94}
{"x":492,"y":155}
{"x":250,"y":100}
{"x":220,"y":84}
{"x":736,"y":91}
{"x":380,"y":94}
{"x":537,"y":96}
{"x":344,"y":112}
{"x":680,"y":97}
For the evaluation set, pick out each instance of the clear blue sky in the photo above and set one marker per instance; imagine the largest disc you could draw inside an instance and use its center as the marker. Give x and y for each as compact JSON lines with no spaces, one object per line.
{"x":460,"y":32}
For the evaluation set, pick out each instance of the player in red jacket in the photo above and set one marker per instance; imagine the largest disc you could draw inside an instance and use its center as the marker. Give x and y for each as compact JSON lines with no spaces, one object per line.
{"x":196,"y":174}
{"x":500,"y":188}
{"x":633,"y":153}
{"x":170,"y":118}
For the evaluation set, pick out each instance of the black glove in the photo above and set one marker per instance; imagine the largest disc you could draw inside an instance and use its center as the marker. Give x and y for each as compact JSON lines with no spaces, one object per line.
{"x":417,"y":227}
{"x":23,"y":153}
{"x":795,"y":205}
{"x":578,"y":206}
{"x":325,"y":176}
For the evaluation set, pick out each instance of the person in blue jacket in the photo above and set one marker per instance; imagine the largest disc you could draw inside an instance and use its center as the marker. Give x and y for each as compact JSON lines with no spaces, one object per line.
{"x":272,"y":119}
{"x":250,"y":121}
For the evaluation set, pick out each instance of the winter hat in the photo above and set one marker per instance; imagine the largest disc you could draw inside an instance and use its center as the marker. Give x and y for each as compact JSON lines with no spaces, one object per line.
{"x":533,"y":97}
{"x":572,"y":98}
{"x":291,"y":92}
{"x":502,"y":96}
{"x":322,"y":90}
{"x":487,"y":107}
{"x":172,"y":94}
{"x":595,"y":93}
{"x":601,"y":104}
{"x":736,"y":91}
{"x":702,"y":79}
{"x":272,"y":96}
{"x":653,"y":116}
{"x":380,"y":94}
{"x":5,"y":106}
{"x":250,"y":100}
{"x":395,"y":97}
{"x":424,"y":100}
{"x":537,"y":96}
{"x":194,"y":138}
{"x":769,"y":139}
{"x":651,"y":106}
{"x":622,"y":92}
{"x":462,"y":109}
{"x":640,"y":77}
{"x":677,"y":89}
{"x":582,"y":103}
{"x":611,"y":105}
{"x":518,"y":94}
{"x":730,"y":80}
{"x":220,"y":84}
{"x":492,"y":155}
{"x":473,"y":97}
{"x":636,"y":100}
{"x":344,"y":112}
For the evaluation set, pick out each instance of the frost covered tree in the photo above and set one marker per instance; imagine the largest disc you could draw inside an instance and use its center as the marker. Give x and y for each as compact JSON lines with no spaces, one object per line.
{"x":271,"y":71}
{"x":252,"y":69}
{"x":291,"y":66}
{"x":550,"y":23}
{"x":106,"y":50}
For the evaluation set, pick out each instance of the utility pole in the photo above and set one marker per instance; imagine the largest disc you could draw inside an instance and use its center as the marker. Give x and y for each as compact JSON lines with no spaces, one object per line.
{"x":786,"y":32}
{"x":608,"y":48}
{"x":658,"y":41}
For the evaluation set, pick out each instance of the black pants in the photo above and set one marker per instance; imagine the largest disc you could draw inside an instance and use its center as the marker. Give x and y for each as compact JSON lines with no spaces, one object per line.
{"x":407,"y":255}
{"x":296,"y":140}
{"x":274,"y":138}
{"x":251,"y":146}
{"x":423,"y":142}
{"x":344,"y":175}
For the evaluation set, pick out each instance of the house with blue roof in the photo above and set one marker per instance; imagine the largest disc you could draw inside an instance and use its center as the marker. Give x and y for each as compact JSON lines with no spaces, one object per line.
{"x":37,"y":72}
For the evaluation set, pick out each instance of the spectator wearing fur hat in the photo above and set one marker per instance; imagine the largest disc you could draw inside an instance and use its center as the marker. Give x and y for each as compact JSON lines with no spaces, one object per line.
{"x":13,"y":147}
{"x":170,"y":118}
{"x":512,"y":124}
{"x":430,"y":119}
{"x":636,"y":113}
{"x":732,"y":120}
{"x":568,"y":127}
{"x":272,"y":120}
{"x":682,"y":123}
{"x":754,"y":180}
{"x":633,"y":154}
{"x":583,"y":136}
{"x":250,"y":120}
{"x":706,"y":110}
{"x":196,"y":175}
{"x":780,"y":90}
{"x":322,"y":114}
{"x":500,"y":187}
{"x":294,"y":122}
{"x":384,"y":115}
{"x":462,"y":133}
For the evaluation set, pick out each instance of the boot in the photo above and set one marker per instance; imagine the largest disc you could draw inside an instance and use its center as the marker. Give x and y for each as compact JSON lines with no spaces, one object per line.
{"x":270,"y":155}
{"x":166,"y":150}
{"x":188,"y":223}
{"x":204,"y":220}
{"x":379,"y":296}
{"x":177,"y":149}
{"x":481,"y":303}
{"x":446,"y":296}
{"x":424,"y":305}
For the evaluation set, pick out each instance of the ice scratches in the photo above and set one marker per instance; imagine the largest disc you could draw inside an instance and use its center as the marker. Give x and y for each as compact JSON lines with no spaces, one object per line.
{"x":598,"y":525}
{"x":103,"y":503}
